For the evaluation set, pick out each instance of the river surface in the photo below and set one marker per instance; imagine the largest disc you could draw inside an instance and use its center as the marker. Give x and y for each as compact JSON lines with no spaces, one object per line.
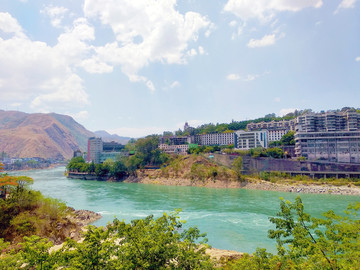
{"x":234,"y":219}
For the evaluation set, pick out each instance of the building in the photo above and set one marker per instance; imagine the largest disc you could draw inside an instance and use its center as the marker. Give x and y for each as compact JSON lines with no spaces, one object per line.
{"x":329,"y":121}
{"x":112,"y":155}
{"x":246,"y":140}
{"x":273,"y":125}
{"x":276,"y":129}
{"x":215,"y":139}
{"x":276,"y":134}
{"x":112,"y":147}
{"x":99,"y":151}
{"x":332,"y":136}
{"x":174,"y":149}
{"x":95,"y":147}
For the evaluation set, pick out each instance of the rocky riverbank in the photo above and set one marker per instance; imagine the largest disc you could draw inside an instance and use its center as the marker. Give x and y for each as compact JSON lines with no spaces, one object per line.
{"x":248,"y":183}
{"x":80,"y":218}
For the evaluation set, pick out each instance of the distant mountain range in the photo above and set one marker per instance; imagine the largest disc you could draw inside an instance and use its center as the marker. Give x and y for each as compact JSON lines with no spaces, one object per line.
{"x":46,"y":135}
{"x":107,"y":137}
{"x":41,"y":135}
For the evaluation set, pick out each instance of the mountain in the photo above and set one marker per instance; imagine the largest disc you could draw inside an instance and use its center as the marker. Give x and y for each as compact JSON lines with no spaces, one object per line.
{"x":107,"y":137}
{"x":41,"y":135}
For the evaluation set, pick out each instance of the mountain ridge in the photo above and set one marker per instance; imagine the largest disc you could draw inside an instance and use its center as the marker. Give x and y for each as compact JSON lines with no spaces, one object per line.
{"x":42,"y":135}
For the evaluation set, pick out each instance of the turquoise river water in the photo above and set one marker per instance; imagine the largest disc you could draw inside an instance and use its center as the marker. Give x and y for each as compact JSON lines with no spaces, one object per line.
{"x":234,"y":219}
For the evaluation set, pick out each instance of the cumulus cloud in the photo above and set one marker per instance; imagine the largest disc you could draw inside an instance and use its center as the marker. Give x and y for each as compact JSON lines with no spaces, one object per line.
{"x":53,"y":84}
{"x":146,"y":31}
{"x":56,"y":14}
{"x":8,"y":24}
{"x":267,"y":40}
{"x":345,"y":4}
{"x":265,"y":10}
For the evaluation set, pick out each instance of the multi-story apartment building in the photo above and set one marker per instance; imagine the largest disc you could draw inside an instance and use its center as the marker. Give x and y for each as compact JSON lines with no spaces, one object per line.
{"x":215,"y":139}
{"x":276,"y":129}
{"x":246,"y":140}
{"x":333,"y":136}
{"x":283,"y":124}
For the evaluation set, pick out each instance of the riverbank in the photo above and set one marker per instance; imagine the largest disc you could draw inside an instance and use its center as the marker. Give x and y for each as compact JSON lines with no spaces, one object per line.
{"x":145,"y":177}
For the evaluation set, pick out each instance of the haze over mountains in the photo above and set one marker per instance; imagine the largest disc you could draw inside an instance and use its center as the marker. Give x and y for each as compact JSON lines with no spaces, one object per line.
{"x":41,"y":135}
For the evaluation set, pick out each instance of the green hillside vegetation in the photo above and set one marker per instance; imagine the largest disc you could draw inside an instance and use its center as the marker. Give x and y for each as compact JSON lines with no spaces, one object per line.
{"x":235,"y":125}
{"x":196,"y":168}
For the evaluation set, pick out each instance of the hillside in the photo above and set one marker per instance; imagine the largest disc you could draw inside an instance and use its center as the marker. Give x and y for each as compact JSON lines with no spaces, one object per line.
{"x":107,"y":137}
{"x":41,"y":135}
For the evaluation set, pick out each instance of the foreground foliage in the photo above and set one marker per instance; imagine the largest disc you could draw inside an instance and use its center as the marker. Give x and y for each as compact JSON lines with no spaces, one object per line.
{"x":305,"y":242}
{"x":147,"y":243}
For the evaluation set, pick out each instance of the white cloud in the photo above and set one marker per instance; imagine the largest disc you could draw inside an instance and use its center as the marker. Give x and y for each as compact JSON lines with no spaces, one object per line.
{"x":247,"y":78}
{"x":40,"y":75}
{"x":192,"y":52}
{"x":265,"y":10}
{"x":233,"y":23}
{"x":266,"y":40}
{"x":8,"y":24}
{"x":56,"y":14}
{"x":165,"y":34}
{"x":250,"y":77}
{"x":80,"y":116}
{"x":345,"y":4}
{"x":357,"y":59}
{"x":175,"y":84}
{"x":201,"y":50}
{"x":286,"y":111}
{"x":277,"y":99}
{"x":16,"y":104}
{"x":233,"y":77}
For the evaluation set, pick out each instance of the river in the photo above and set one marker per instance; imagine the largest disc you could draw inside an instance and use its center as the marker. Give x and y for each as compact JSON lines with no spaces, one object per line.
{"x":234,"y":219}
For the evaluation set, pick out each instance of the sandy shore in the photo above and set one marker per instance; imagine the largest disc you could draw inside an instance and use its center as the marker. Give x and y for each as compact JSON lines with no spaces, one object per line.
{"x":251,"y":184}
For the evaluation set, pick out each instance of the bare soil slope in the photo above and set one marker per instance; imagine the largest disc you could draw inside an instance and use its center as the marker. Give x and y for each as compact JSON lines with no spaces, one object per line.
{"x":40,"y":135}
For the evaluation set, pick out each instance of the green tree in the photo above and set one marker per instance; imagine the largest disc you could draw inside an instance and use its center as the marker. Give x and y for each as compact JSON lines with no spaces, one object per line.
{"x":305,"y":242}
{"x":275,"y":152}
{"x":288,"y":138}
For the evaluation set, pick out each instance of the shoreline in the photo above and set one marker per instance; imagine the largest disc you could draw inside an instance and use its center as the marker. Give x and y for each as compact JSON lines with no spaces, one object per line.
{"x":252,"y":184}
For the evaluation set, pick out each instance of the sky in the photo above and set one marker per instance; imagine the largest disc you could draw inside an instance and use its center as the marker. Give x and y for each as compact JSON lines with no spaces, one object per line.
{"x":135,"y":68}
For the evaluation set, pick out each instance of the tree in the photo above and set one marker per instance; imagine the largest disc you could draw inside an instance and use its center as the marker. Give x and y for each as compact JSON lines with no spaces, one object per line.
{"x":288,"y":138}
{"x":275,"y":152}
{"x":305,"y":242}
{"x":148,"y":243}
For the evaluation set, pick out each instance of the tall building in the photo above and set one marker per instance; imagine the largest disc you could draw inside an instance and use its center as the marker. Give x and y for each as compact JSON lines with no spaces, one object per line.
{"x":95,"y":147}
{"x":332,"y":136}
{"x":246,"y":140}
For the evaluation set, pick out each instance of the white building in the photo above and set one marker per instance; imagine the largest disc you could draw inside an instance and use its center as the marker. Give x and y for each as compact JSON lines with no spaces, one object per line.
{"x":177,"y":149}
{"x":215,"y":139}
{"x":246,"y":140}
{"x":276,"y":134}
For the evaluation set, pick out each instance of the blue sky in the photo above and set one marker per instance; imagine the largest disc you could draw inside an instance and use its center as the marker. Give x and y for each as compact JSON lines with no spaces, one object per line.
{"x":142,"y":67}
